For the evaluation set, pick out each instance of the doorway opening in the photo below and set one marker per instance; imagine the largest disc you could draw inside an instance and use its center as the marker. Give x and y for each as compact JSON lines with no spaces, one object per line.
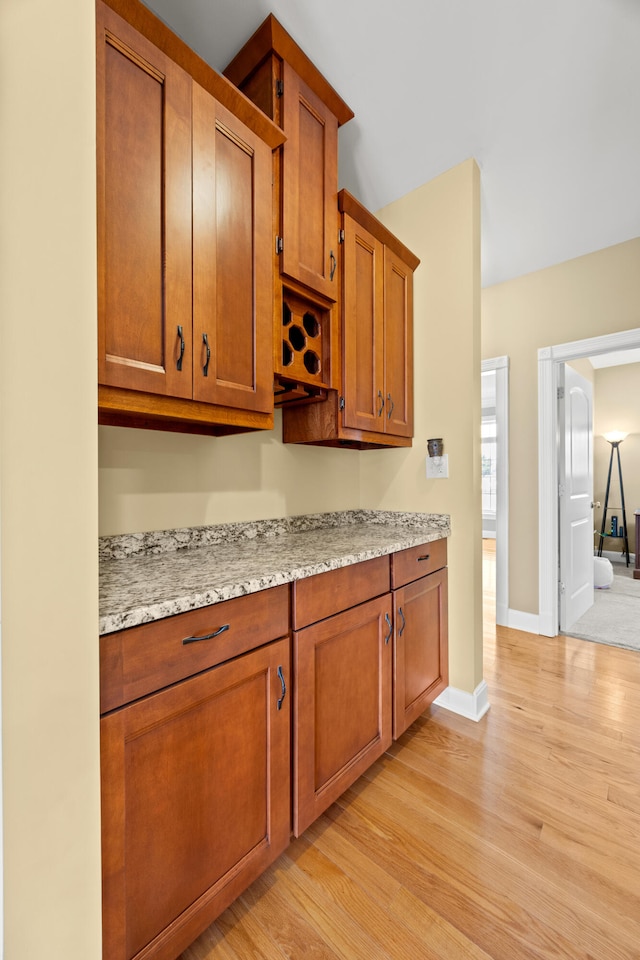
{"x":551,"y":362}
{"x":495,"y":416}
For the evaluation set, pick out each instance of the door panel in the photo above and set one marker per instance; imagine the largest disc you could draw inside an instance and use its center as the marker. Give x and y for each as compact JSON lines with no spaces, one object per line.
{"x":576,"y":511}
{"x":178,"y":831}
{"x":144,"y":218}
{"x":363,"y":371}
{"x":421,"y":668}
{"x":398,"y":315}
{"x":310,"y":187}
{"x":342,"y":704}
{"x":232,"y":260}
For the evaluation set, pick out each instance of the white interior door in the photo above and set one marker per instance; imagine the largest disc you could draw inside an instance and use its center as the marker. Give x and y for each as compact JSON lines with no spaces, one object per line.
{"x":576,"y":495}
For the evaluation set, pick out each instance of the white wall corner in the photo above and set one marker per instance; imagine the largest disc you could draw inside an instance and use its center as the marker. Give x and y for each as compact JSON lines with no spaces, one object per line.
{"x":473,"y":706}
{"x":527,"y":622}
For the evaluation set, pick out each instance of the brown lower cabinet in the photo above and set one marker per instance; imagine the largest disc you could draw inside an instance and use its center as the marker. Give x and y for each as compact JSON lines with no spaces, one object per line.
{"x":420,"y":668}
{"x":420,"y":660}
{"x":342,"y":704}
{"x":201,"y":788}
{"x":196,"y":798}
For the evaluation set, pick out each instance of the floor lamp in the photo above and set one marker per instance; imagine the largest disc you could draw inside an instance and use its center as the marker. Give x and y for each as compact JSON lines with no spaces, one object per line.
{"x":615,"y":438}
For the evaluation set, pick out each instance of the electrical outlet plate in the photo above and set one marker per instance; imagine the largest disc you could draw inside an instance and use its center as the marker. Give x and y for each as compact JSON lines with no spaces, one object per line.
{"x":438,"y":467}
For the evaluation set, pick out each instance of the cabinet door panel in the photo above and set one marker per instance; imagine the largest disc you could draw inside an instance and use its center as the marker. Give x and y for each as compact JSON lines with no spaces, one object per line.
{"x":342,"y":704}
{"x":398,"y":312}
{"x":363,"y":326}
{"x":310,"y":187}
{"x":232,"y":259}
{"x":181,"y":836}
{"x":144,"y":212}
{"x":421,"y":669}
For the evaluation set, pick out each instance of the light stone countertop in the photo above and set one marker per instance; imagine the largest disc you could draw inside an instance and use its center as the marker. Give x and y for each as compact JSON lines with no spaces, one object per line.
{"x":145,"y":577}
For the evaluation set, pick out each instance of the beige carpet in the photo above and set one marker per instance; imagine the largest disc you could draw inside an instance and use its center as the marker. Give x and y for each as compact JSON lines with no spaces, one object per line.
{"x":614,"y":617}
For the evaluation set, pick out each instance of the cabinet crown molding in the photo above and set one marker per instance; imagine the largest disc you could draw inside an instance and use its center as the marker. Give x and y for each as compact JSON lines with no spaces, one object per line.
{"x":271,"y":37}
{"x":347,"y":203}
{"x":224,"y":91}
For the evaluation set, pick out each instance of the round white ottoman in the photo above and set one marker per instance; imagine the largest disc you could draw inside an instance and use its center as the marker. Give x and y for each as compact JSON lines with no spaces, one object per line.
{"x":602,"y":573}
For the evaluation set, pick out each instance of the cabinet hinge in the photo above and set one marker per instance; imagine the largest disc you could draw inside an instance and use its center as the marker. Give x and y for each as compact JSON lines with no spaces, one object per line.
{"x":560,"y":393}
{"x":279,"y":88}
{"x":561,"y":587}
{"x":561,"y":489}
{"x":341,"y":403}
{"x":340,"y":236}
{"x":279,"y":244}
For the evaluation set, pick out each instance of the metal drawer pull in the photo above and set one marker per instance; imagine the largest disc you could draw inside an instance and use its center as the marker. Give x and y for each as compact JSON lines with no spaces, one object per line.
{"x":381,"y":399}
{"x":426,"y":557}
{"x":391,"y":408}
{"x":209,"y":636}
{"x":388,"y":619}
{"x":404,"y":622}
{"x":334,"y":264}
{"x":205,"y":369}
{"x":284,"y":687}
{"x":179,"y":360}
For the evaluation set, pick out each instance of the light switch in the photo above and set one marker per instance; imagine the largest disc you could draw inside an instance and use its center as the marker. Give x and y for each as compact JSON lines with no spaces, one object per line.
{"x":438,"y":467}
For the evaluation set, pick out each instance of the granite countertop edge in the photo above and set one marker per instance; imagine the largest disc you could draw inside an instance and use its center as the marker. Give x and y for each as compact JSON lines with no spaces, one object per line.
{"x":147,"y":577}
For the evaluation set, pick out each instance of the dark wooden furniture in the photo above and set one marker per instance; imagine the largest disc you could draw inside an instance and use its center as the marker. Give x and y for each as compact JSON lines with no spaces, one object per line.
{"x":636,"y":571}
{"x":375,"y":405}
{"x":278,"y":76}
{"x":420,"y":658}
{"x":342,"y":649}
{"x":184,"y":300}
{"x":195,"y":773}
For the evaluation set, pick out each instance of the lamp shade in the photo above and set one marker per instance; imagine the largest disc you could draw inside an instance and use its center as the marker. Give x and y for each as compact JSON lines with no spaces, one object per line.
{"x":615,"y":436}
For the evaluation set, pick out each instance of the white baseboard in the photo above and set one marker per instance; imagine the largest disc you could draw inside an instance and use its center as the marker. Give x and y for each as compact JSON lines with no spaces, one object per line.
{"x":616,"y":557}
{"x":473,"y":706}
{"x":519,"y":620}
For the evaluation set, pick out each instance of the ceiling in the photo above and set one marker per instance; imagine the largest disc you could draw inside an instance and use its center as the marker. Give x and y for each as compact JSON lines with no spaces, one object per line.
{"x":545,"y":94}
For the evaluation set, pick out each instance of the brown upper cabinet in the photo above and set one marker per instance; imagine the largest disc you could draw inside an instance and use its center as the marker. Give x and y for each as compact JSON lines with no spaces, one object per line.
{"x":375,"y":405}
{"x":185,"y":282}
{"x":275,"y":73}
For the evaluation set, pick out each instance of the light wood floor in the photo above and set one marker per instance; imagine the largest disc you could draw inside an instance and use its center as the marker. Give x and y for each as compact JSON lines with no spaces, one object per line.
{"x":514,"y":838}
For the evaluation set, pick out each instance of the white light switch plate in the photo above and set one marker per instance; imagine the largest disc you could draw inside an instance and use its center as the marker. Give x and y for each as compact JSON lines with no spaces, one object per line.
{"x":438,"y":467}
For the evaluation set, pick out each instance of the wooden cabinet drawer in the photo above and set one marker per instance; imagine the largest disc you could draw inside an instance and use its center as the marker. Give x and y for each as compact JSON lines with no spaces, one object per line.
{"x":408,"y":565}
{"x":138,"y":661}
{"x":327,"y":593}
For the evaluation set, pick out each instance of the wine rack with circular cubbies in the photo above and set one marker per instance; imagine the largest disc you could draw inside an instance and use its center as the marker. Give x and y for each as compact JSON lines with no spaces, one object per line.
{"x":305,"y":340}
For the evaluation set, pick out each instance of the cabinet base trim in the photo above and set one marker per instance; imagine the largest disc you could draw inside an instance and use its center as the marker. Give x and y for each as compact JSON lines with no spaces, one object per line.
{"x":473,"y":706}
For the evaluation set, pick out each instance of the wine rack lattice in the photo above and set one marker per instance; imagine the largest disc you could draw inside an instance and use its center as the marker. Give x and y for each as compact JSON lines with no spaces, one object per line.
{"x":305,"y":339}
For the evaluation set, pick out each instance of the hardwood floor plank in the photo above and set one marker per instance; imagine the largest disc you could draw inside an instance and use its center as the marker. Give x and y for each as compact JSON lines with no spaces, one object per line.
{"x":445,"y":940}
{"x":288,"y":927}
{"x":537,"y":901}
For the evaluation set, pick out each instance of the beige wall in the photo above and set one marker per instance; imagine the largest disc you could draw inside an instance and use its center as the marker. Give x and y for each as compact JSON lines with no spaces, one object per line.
{"x":153,"y":480}
{"x":585,"y":369}
{"x":586,"y":297}
{"x":617,"y":407}
{"x":48,"y":481}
